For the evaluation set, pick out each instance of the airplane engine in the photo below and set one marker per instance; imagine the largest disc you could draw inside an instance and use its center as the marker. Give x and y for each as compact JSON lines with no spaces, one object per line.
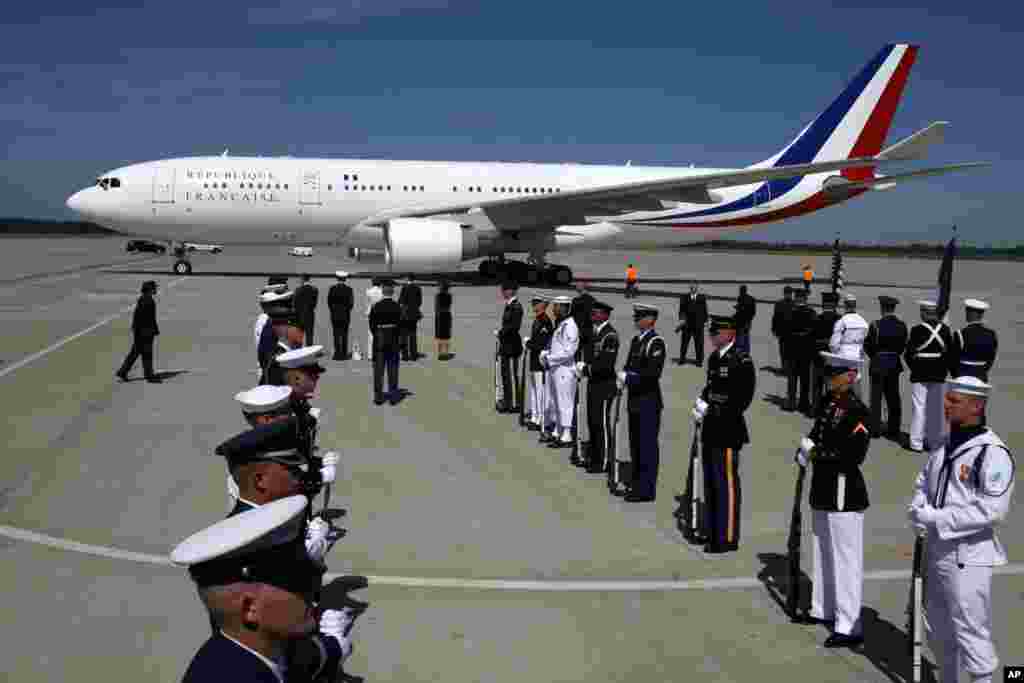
{"x":371,"y":256}
{"x":835,"y":187}
{"x":427,"y":245}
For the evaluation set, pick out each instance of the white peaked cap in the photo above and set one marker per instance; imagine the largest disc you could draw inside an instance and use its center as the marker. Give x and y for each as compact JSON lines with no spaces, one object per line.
{"x":300,"y":358}
{"x":264,"y":398}
{"x":969,"y":385}
{"x":976,"y":304}
{"x":242,"y":533}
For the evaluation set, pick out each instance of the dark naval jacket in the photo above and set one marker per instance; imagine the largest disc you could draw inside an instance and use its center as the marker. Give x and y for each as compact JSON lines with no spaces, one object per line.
{"x":540,"y":337}
{"x":411,"y":300}
{"x":930,"y":352}
{"x":582,"y":306}
{"x":823,"y":327}
{"x":782,"y":318}
{"x":339,"y":302}
{"x":800,"y":344}
{"x":643,"y":368}
{"x":841,"y":439}
{"x":604,"y":354}
{"x":221,"y":659}
{"x":144,"y":317}
{"x":509,"y":341}
{"x":975,"y":348}
{"x":728,"y":393}
{"x":385,"y":320}
{"x":885,"y":343}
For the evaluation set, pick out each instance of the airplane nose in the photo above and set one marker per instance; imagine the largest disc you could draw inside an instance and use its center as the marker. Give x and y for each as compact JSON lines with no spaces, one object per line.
{"x":76,"y":202}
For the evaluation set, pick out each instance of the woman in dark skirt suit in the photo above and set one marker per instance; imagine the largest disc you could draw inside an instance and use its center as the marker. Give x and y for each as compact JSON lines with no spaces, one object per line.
{"x":443,"y":321}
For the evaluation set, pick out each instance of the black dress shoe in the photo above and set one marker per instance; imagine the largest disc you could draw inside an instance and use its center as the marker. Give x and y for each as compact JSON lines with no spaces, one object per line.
{"x":154,"y":380}
{"x":595,"y":468}
{"x":843,"y":640}
{"x":637,"y":498}
{"x":378,"y":401}
{"x":815,"y":621}
{"x":618,"y":492}
{"x":715,"y":549}
{"x":121,"y":376}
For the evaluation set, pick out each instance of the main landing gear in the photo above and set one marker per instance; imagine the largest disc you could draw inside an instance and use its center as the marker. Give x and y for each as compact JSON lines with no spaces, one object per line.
{"x":525,"y":273}
{"x":182,"y":266}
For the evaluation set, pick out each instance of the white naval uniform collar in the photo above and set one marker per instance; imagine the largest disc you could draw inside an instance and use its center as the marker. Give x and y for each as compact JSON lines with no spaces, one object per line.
{"x":275,"y":667}
{"x":248,"y":502}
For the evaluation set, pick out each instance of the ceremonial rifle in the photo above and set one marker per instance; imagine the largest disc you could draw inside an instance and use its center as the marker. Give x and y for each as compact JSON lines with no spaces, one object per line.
{"x":695,"y":523}
{"x":525,"y":360}
{"x":795,"y":534}
{"x":914,"y":635}
{"x":614,"y":472}
{"x":499,"y":391}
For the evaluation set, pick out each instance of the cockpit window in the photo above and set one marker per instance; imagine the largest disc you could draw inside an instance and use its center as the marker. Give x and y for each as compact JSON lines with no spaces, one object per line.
{"x":115,"y":182}
{"x":107,"y":183}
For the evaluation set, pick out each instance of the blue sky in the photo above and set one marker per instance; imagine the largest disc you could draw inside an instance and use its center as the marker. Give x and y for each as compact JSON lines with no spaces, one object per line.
{"x":86,"y":89}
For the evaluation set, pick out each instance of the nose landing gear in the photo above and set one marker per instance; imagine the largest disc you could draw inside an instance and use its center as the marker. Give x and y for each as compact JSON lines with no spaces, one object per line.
{"x":182,"y":266}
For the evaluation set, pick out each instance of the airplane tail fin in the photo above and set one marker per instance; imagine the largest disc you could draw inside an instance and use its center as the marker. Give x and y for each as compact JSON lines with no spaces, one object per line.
{"x":857,"y":121}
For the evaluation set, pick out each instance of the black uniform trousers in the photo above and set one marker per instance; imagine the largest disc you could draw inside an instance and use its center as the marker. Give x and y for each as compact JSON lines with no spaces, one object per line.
{"x":886,"y":385}
{"x":142,"y":345}
{"x":340,"y":328}
{"x":410,"y":351}
{"x":721,"y":495}
{"x":644,"y":425}
{"x":385,"y":360}
{"x":308,"y":324}
{"x":600,"y":402}
{"x":510,"y":381}
{"x":798,"y":375}
{"x":697,"y":334}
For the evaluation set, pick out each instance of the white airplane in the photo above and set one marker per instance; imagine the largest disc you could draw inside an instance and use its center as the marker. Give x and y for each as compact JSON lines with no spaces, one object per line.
{"x":429,"y":216}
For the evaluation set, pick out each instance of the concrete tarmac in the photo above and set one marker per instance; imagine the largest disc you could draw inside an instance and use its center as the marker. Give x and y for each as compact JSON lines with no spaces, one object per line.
{"x":441,"y":490}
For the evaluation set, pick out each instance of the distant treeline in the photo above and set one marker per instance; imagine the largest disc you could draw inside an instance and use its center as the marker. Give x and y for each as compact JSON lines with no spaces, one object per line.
{"x":26,"y":226}
{"x":910,"y":250}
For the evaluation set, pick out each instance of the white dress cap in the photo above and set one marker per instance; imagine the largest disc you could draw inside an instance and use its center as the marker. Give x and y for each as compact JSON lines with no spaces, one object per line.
{"x":300,"y":358}
{"x":969,"y":385}
{"x":264,"y":398}
{"x":976,"y":304}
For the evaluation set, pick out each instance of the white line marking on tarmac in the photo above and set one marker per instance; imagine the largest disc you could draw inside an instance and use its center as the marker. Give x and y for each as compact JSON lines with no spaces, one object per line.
{"x":568,"y":585}
{"x":67,"y":340}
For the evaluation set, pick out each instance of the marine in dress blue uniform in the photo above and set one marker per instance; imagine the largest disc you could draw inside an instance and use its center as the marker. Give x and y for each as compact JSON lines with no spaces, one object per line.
{"x":974,"y":345}
{"x":824,"y":326}
{"x":258,"y":585}
{"x":884,"y":345}
{"x":726,"y":396}
{"x":642,"y":377}
{"x":800,"y":350}
{"x":386,"y":328}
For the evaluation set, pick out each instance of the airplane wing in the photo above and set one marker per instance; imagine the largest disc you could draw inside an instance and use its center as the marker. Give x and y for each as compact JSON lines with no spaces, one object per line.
{"x":916,"y":146}
{"x":884,"y":182}
{"x":571,"y":207}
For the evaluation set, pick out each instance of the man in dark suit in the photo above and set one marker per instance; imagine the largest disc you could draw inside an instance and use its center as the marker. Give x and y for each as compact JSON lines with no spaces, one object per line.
{"x":782,"y":318}
{"x":510,"y":347}
{"x":306,"y":296}
{"x":339,"y":303}
{"x":144,"y":332}
{"x":411,"y":300}
{"x":693,"y":313}
{"x":800,"y":353}
{"x":746,"y":309}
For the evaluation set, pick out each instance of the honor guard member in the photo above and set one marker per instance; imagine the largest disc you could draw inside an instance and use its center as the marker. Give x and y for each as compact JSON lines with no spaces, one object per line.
{"x":301,"y":370}
{"x":510,"y":347}
{"x":693,"y":313}
{"x":800,"y":351}
{"x":144,"y":332}
{"x":719,"y":409}
{"x":411,"y":300}
{"x":849,"y":332}
{"x":975,"y":345}
{"x":823,"y":330}
{"x":374,"y":293}
{"x":601,"y":388}
{"x":962,"y":493}
{"x":263,"y":318}
{"x":261,"y":405}
{"x":339,"y":302}
{"x":258,"y":586}
{"x":884,"y":345}
{"x":836,"y":447}
{"x":582,"y":305}
{"x":560,"y":359}
{"x":306,"y":297}
{"x":746,"y":309}
{"x":929,"y":356}
{"x":279,"y":334}
{"x":386,"y":324}
{"x":540,"y":337}
{"x":782,"y":317}
{"x":642,"y":376}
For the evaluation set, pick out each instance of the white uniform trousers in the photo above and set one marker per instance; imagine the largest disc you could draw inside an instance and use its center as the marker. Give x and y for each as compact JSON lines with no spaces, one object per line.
{"x":958,"y":617}
{"x":927,"y":423}
{"x":563,"y":391}
{"x":838,"y":569}
{"x":538,"y":396}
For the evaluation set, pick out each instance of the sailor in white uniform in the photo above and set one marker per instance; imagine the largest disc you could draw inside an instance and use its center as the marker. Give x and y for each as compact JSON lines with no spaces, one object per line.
{"x":961,"y":494}
{"x":560,"y":361}
{"x":849,"y":332}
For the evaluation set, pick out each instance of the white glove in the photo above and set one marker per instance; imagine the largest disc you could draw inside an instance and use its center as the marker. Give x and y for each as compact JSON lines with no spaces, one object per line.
{"x":544,"y":358}
{"x":316,"y":539}
{"x":336,"y":623}
{"x":495,"y":333}
{"x":526,"y":341}
{"x":800,"y":458}
{"x":233,"y":492}
{"x":329,"y":471}
{"x":700,"y":409}
{"x":580,"y":367}
{"x":926,"y":515}
{"x":620,"y":379}
{"x":806,"y":445}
